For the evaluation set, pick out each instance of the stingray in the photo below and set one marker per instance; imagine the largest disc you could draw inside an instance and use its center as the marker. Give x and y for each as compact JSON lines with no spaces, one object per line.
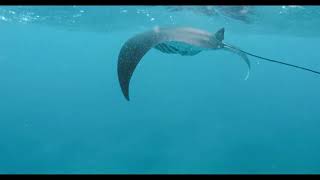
{"x":185,"y":41}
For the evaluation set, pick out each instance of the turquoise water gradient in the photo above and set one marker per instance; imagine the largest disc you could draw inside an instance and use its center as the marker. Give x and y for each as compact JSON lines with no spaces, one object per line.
{"x":62,"y":110}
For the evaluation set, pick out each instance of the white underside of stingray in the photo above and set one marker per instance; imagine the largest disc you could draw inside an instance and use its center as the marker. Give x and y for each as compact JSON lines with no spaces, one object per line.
{"x":184,"y":41}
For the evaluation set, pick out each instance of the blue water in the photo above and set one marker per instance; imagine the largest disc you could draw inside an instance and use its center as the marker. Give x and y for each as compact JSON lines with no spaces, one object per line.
{"x":62,"y":109}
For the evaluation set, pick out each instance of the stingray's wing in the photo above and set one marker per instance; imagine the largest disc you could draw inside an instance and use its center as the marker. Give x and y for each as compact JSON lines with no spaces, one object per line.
{"x":235,"y":50}
{"x":130,"y":55}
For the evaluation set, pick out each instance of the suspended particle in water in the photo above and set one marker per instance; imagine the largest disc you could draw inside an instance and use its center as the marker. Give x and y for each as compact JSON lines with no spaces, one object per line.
{"x":172,"y":20}
{"x":12,"y":12}
{"x":3,"y":18}
{"x":24,"y":19}
{"x":76,"y":15}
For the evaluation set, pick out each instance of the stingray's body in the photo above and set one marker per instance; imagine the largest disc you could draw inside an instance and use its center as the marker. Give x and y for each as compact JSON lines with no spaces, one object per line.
{"x":184,"y":41}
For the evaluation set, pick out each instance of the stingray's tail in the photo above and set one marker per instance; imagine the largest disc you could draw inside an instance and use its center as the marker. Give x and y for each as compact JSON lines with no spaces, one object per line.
{"x":241,"y":54}
{"x":271,"y":60}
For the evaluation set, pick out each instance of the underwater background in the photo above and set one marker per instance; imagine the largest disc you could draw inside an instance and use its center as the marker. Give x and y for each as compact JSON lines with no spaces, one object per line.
{"x":62,"y":109}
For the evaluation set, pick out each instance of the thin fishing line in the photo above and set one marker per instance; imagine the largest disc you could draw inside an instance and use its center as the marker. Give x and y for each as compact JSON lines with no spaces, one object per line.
{"x":275,"y":61}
